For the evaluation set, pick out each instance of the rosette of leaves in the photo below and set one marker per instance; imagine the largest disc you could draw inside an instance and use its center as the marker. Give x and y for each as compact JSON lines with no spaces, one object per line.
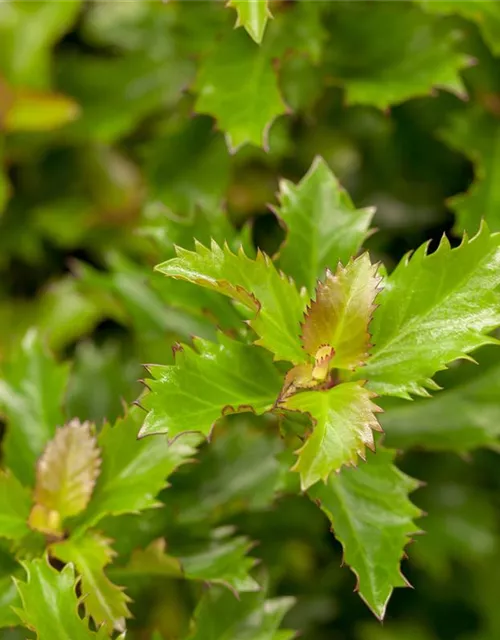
{"x":325,"y":349}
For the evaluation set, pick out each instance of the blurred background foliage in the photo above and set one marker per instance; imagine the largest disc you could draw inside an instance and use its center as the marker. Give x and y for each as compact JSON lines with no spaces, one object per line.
{"x":129,"y":127}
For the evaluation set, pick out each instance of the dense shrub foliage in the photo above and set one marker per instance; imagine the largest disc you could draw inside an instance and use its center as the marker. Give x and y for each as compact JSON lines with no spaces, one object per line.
{"x":287,"y":231}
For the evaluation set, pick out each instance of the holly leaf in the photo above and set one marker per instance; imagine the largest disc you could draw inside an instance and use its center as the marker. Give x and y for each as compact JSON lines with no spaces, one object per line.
{"x":104,"y":601}
{"x":15,"y":504}
{"x":256,"y":284}
{"x":253,"y":15}
{"x":322,"y":225}
{"x":132,"y":472}
{"x":66,"y":475}
{"x":220,"y":616}
{"x":372,"y":517}
{"x":31,"y":393}
{"x":344,"y":420}
{"x":421,"y":54}
{"x":476,"y":133}
{"x":434,"y":309}
{"x":485,"y":14}
{"x":459,"y":419}
{"x":340,"y":314}
{"x":222,"y":561}
{"x":237,"y":85}
{"x":50,"y":604}
{"x":206,"y":383}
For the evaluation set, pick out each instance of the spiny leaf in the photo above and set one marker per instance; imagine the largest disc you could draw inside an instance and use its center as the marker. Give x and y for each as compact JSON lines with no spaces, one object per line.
{"x":253,"y":15}
{"x":485,"y":14}
{"x":105,"y":602}
{"x":132,"y":472}
{"x":340,"y":314}
{"x":434,"y":308}
{"x":459,"y":419}
{"x":227,"y":377}
{"x":222,"y":561}
{"x":344,"y":420}
{"x":237,"y":85}
{"x":323,"y":226}
{"x":31,"y":393}
{"x":50,"y":604}
{"x":477,"y":134}
{"x":372,"y":517}
{"x":256,"y":284}
{"x":66,"y":475}
{"x":15,"y":503}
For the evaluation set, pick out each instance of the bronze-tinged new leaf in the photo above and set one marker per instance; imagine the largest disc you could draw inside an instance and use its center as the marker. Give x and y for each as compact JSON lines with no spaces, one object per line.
{"x":344,"y":420}
{"x":339,"y":316}
{"x":66,"y":475}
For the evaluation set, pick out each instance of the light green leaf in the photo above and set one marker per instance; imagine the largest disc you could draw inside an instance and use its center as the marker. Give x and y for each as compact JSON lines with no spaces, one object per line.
{"x":50,"y":604}
{"x":132,"y":472}
{"x":220,"y":616}
{"x":222,"y":561}
{"x":323,"y":226}
{"x":30,"y":110}
{"x":253,"y":15}
{"x":339,"y":315}
{"x":31,"y":393}
{"x":434,"y":309}
{"x":372,"y":517}
{"x":15,"y":504}
{"x":274,"y":299}
{"x":205,"y":384}
{"x":237,"y":85}
{"x":65,"y":479}
{"x":105,"y":602}
{"x":485,"y":14}
{"x":344,"y":420}
{"x":9,"y":598}
{"x":459,"y":419}
{"x":476,"y":133}
{"x":420,"y":55}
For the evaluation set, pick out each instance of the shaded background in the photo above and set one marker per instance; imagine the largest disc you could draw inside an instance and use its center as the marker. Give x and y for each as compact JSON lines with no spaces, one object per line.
{"x":107,"y":162}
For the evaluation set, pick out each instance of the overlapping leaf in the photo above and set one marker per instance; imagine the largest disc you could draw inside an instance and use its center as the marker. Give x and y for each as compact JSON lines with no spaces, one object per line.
{"x":15,"y":503}
{"x":344,"y":420}
{"x":373,"y":518}
{"x":237,"y":85}
{"x":254,"y":283}
{"x":477,"y":134}
{"x":434,"y":308}
{"x":104,"y":601}
{"x":132,"y":472}
{"x":323,"y":226}
{"x":31,"y":398}
{"x":253,"y":15}
{"x":205,"y":384}
{"x":50,"y":604}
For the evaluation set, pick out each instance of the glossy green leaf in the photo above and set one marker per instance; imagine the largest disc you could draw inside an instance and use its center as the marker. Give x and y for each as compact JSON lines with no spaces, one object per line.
{"x":434,"y":308}
{"x":344,"y":420}
{"x":253,"y":15}
{"x":105,"y":602}
{"x":421,"y":54}
{"x":50,"y":604}
{"x":223,"y":561}
{"x":228,"y":377}
{"x":220,"y":616}
{"x":270,"y":295}
{"x":15,"y":504}
{"x":340,"y":314}
{"x":459,"y":419}
{"x":372,"y":517}
{"x":31,"y":394}
{"x":132,"y":472}
{"x":485,"y":14}
{"x":477,"y":134}
{"x":237,"y":85}
{"x":323,"y":226}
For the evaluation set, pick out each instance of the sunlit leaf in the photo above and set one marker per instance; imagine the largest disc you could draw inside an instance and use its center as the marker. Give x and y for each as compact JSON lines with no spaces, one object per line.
{"x":253,"y":15}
